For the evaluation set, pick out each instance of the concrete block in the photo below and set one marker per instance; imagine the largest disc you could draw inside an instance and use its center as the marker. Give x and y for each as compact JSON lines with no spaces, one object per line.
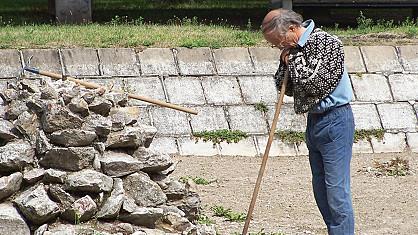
{"x":234,"y":60}
{"x":416,"y":108}
{"x":144,"y":117}
{"x":150,"y":87}
{"x":277,"y":149}
{"x":366,"y":117}
{"x":73,"y":11}
{"x":170,"y":122}
{"x":221,"y":90}
{"x":398,"y":116}
{"x":208,"y":119}
{"x":246,"y":118}
{"x":302,"y":149}
{"x":258,"y":89}
{"x":409,"y":57}
{"x":266,"y":59}
{"x":157,"y":61}
{"x":109,"y":83}
{"x":10,"y":65}
{"x":391,"y":143}
{"x":191,"y":147}
{"x":381,"y":59}
{"x":371,"y":87}
{"x":184,"y":90}
{"x":288,"y":119}
{"x":164,"y":145}
{"x":412,"y":139}
{"x":196,"y":61}
{"x":353,"y":60}
{"x":404,"y":87}
{"x":80,"y":62}
{"x":119,"y":62}
{"x":244,"y":147}
{"x":362,"y":146}
{"x":43,"y":59}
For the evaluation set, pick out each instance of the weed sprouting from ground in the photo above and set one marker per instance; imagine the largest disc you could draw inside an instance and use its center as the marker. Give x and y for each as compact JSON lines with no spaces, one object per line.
{"x":218,"y":136}
{"x":204,"y":219}
{"x":395,"y":167}
{"x":197,"y":180}
{"x":227,"y":213}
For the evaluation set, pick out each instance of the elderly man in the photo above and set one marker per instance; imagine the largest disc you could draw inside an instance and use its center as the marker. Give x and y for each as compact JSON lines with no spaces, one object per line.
{"x":320,"y":85}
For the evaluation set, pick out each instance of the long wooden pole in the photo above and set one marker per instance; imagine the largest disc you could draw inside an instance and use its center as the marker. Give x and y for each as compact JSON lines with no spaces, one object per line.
{"x":266,"y":155}
{"x":92,"y":85}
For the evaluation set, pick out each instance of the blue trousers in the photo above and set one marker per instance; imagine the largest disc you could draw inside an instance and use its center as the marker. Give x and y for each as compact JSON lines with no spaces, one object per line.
{"x":329,"y":137}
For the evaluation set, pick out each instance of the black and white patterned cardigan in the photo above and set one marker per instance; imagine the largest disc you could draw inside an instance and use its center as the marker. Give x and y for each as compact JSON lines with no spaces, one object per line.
{"x":314,"y":69}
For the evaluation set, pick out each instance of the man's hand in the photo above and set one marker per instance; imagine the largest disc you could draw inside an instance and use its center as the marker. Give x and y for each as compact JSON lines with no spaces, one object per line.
{"x":285,"y":55}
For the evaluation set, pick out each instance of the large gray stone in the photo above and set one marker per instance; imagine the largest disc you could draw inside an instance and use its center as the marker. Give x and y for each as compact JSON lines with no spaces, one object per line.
{"x":131,"y":137}
{"x":34,"y":175}
{"x":409,"y":58}
{"x":157,"y":61}
{"x":196,"y":61}
{"x":79,"y":105}
{"x":80,"y":61}
{"x":233,"y":61}
{"x":353,"y":60}
{"x":10,"y":65}
{"x":42,"y":143}
{"x":141,"y":216}
{"x":404,"y":87}
{"x":14,"y":156}
{"x":366,"y":117}
{"x":72,"y":158}
{"x":265,"y":59}
{"x":398,"y":116}
{"x":54,"y":176}
{"x":10,"y":184}
{"x":258,"y":90}
{"x":221,"y":90}
{"x":119,"y":164}
{"x":190,"y":205}
{"x":371,"y":87}
{"x":36,"y":206}
{"x":254,"y":121}
{"x":28,"y":124}
{"x":130,"y":115}
{"x":209,"y":118}
{"x":81,"y":210}
{"x":381,"y":59}
{"x":44,"y":59}
{"x":11,"y":222}
{"x":14,"y":109}
{"x":288,"y":119}
{"x":152,"y":161}
{"x":143,"y":190}
{"x":175,"y":223}
{"x":6,"y":130}
{"x":59,"y":195}
{"x":59,"y":118}
{"x":184,"y":90}
{"x":99,"y":124}
{"x":73,"y":137}
{"x":88,"y":181}
{"x":118,"y":62}
{"x":117,"y":98}
{"x":100,"y":105}
{"x":111,"y":207}
{"x":150,"y":87}
{"x":177,"y":124}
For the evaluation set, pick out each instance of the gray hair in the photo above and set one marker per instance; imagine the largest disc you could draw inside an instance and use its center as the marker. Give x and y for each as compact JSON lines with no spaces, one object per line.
{"x":281,"y":22}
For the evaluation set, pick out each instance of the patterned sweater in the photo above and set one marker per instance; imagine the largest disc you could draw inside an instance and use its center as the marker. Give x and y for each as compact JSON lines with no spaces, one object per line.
{"x":314,"y":69}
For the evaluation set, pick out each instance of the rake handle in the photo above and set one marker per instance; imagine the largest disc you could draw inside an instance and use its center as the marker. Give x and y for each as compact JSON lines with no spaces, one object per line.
{"x":266,"y":155}
{"x":92,"y":85}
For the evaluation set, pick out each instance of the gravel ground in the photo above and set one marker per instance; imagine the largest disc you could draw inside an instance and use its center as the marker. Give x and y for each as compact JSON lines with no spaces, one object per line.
{"x":383,"y":205}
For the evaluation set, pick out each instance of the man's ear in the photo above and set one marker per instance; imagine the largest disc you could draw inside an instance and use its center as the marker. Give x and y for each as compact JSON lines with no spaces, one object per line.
{"x":292,"y":27}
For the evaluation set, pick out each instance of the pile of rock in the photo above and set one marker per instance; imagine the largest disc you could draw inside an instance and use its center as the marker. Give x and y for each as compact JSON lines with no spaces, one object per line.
{"x":76,"y":161}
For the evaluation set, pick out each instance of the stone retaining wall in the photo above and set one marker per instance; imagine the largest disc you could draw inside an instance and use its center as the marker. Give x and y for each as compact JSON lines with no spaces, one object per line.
{"x":225,"y":84}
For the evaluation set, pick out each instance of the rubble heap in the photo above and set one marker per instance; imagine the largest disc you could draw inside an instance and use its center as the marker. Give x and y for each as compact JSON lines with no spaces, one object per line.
{"x":77,"y":160}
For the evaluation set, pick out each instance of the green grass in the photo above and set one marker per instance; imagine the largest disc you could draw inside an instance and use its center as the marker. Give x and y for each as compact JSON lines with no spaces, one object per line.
{"x":291,"y":137}
{"x":368,"y":134}
{"x":203,"y":219}
{"x":228,"y":214}
{"x":197,"y":180}
{"x":218,"y":136}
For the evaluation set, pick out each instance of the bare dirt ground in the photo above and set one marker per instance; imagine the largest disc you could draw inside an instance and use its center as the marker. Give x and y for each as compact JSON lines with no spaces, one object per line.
{"x":383,"y":205}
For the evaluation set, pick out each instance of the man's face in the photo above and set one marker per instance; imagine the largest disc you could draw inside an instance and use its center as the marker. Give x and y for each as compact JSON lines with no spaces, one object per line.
{"x":281,"y":41}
